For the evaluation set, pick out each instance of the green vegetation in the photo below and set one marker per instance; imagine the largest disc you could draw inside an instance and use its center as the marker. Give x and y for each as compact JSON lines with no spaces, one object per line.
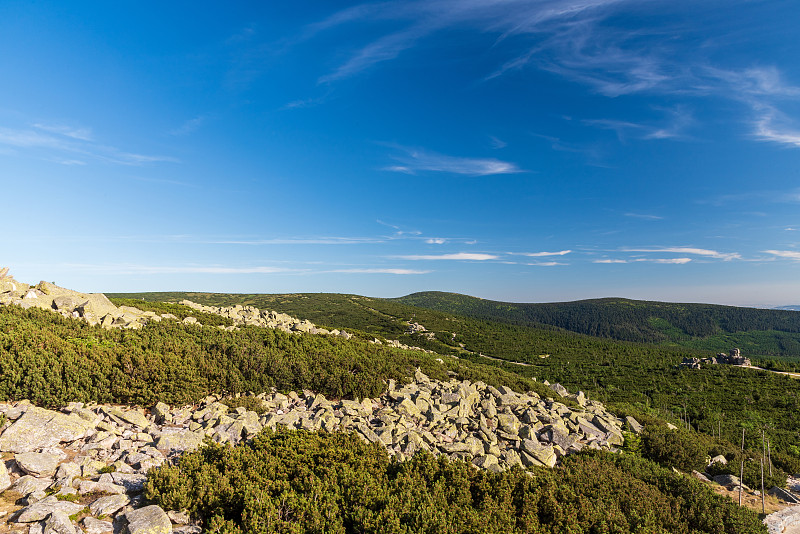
{"x":41,"y":360}
{"x":639,"y":378}
{"x":298,"y":481}
{"x":761,"y":333}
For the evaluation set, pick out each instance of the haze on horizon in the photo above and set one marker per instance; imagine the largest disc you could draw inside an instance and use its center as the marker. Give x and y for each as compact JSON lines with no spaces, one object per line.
{"x":525,"y":151}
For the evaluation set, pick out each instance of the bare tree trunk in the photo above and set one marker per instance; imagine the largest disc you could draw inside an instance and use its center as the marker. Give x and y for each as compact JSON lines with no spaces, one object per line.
{"x":741,"y":476}
{"x":763,"y":507}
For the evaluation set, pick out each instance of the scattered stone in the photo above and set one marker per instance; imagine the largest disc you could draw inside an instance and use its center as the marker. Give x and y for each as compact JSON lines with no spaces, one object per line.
{"x":108,"y":505}
{"x":40,"y":510}
{"x":95,"y":526}
{"x":38,"y":464}
{"x":784,"y":495}
{"x":148,"y":520}
{"x":58,"y":523}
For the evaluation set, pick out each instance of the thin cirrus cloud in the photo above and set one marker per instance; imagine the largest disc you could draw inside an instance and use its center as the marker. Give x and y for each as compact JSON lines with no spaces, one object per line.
{"x":543,"y":254}
{"x":64,"y":145}
{"x":788,"y":254}
{"x":381,"y":271}
{"x":468,"y":256}
{"x":546,"y":263}
{"x":413,"y":161}
{"x":727,"y":256}
{"x":581,"y":41}
{"x":644,"y":216}
{"x":667,"y":261}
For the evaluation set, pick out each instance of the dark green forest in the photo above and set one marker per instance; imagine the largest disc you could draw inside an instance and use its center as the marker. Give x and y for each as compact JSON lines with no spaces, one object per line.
{"x":760,"y":333}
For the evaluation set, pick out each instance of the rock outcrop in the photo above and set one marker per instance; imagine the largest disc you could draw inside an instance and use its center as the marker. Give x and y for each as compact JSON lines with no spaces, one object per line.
{"x":99,"y":455}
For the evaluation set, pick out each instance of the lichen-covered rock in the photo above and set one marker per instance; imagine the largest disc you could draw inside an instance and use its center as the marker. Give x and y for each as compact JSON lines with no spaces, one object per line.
{"x":39,"y":428}
{"x":41,"y":509}
{"x":38,"y":464}
{"x":58,"y":523}
{"x":148,"y":520}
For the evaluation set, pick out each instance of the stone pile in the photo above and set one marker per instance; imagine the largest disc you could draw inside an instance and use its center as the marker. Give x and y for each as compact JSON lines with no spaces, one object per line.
{"x":94,"y":308}
{"x":89,"y":463}
{"x":250,"y":315}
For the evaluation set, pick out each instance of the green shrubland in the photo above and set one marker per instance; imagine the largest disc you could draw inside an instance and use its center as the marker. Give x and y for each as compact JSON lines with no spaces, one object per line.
{"x":296,"y":481}
{"x":51,"y":361}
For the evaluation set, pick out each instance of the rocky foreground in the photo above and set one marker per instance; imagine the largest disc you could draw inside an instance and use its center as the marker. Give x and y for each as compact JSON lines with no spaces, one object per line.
{"x":83,"y":469}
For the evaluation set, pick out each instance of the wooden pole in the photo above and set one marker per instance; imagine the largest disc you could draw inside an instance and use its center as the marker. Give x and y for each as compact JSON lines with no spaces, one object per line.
{"x":743,"y":440}
{"x":769,"y":456}
{"x":763,"y":507}
{"x":741,"y":476}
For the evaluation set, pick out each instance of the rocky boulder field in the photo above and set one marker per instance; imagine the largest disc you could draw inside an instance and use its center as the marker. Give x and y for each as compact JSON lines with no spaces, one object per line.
{"x":84,"y":468}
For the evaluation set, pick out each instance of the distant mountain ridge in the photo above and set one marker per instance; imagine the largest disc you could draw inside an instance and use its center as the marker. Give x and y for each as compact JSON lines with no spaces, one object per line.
{"x":705,"y":326}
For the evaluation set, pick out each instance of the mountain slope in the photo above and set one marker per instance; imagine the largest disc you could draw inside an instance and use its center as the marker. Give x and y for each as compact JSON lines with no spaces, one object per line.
{"x":701,"y":326}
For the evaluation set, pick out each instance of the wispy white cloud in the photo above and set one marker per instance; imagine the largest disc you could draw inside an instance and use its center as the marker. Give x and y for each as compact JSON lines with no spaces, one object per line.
{"x":542,"y":254}
{"x":676,"y":261}
{"x":399,"y":231}
{"x":546,"y":263}
{"x":83,"y":134}
{"x":62,"y":144}
{"x":788,"y":254}
{"x":135,"y":269}
{"x":579,"y":40}
{"x":300,"y":241}
{"x":677,"y":121}
{"x":727,"y":256}
{"x":436,"y":241}
{"x":422,"y":18}
{"x":645,"y":216}
{"x":470,"y":256}
{"x":381,"y":271}
{"x":415,"y":160}
{"x":497,"y":143}
{"x":771,"y":125}
{"x":189,"y":126}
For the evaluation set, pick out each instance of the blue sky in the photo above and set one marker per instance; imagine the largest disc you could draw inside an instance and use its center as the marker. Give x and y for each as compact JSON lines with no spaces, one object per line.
{"x":514,"y":150}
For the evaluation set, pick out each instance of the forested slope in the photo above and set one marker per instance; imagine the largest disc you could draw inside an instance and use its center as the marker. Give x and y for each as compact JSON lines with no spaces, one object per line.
{"x":758,"y":332}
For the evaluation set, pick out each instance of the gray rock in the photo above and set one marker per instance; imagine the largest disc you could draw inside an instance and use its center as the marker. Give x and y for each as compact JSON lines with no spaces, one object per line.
{"x":95,"y":526}
{"x":148,"y":520}
{"x":29,"y":484}
{"x":178,"y":517}
{"x":700,"y":476}
{"x":726,"y":480}
{"x":45,"y":507}
{"x":133,"y":417}
{"x":634,"y":425}
{"x":58,"y":523}
{"x":5,"y":479}
{"x":39,"y":428}
{"x":108,"y":505}
{"x":133,"y":483}
{"x":88,"y":486}
{"x":719,"y":459}
{"x":784,"y":495}
{"x":183,"y":440}
{"x":38,"y":464}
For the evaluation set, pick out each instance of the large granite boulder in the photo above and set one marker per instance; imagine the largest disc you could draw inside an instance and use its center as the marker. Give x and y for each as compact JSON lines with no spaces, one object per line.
{"x":39,"y":428}
{"x":148,"y":520}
